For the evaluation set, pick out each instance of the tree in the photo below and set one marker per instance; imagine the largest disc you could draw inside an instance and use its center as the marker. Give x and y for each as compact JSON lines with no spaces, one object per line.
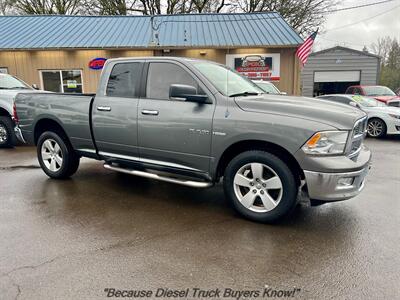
{"x":6,"y":6}
{"x":389,"y":50}
{"x":50,"y":7}
{"x":382,"y":48}
{"x":303,"y":15}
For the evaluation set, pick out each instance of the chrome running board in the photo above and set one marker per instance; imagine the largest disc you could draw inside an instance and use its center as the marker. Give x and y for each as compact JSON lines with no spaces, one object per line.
{"x":195,"y":184}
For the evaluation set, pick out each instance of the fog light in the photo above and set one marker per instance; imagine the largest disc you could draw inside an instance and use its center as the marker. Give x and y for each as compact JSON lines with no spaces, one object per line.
{"x":345,"y":181}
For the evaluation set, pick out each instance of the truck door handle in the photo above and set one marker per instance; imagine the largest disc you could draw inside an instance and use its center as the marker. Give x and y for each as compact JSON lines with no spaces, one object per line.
{"x":104,"y":108}
{"x":150,"y":112}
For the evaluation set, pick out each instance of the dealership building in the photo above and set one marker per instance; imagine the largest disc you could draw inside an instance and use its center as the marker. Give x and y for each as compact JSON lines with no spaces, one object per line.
{"x":333,"y":70}
{"x":66,"y":53}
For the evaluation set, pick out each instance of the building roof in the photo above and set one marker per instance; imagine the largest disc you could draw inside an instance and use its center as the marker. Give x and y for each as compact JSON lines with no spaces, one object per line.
{"x":344,"y":49}
{"x":182,"y":31}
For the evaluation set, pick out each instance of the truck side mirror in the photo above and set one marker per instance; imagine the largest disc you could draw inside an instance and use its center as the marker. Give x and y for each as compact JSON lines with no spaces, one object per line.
{"x":352,"y":103}
{"x":186,"y":93}
{"x":34,"y":86}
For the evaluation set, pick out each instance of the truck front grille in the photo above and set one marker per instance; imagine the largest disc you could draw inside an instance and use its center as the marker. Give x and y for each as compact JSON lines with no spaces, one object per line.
{"x":357,"y":136}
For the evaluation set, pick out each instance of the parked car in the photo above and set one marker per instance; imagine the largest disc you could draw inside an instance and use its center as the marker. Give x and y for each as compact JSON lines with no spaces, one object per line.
{"x":193,"y":122}
{"x":378,"y":92}
{"x":382,"y":119}
{"x":10,"y":86}
{"x":268,"y":87}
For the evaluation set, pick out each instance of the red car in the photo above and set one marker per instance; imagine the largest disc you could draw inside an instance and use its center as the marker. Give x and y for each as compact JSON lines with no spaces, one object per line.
{"x":379,"y":92}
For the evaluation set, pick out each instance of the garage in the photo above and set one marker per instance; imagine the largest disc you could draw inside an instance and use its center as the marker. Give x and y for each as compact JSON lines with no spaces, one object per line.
{"x":334,"y":82}
{"x":333,"y":70}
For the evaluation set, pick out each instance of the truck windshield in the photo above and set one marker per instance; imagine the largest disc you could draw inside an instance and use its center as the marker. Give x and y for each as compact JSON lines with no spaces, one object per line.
{"x":226,"y":81}
{"x":8,"y":82}
{"x":378,"y":91}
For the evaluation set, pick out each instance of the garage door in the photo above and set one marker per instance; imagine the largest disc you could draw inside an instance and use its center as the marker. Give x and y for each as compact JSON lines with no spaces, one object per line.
{"x":337,"y":76}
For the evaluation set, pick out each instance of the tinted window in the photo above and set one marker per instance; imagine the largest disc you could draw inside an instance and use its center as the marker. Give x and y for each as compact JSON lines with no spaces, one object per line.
{"x":162,"y":75}
{"x":124,"y":80}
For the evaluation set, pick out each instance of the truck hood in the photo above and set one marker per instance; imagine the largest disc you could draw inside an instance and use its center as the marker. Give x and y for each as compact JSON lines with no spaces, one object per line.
{"x":330,"y":113}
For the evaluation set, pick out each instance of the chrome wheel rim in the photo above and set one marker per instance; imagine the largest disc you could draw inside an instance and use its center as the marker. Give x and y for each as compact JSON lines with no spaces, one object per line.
{"x":258,"y":187}
{"x":3,"y":134}
{"x":52,"y":155}
{"x":375,"y":128}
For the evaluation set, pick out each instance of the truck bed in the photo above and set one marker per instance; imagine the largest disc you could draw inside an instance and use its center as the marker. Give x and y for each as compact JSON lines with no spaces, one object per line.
{"x":71,"y":111}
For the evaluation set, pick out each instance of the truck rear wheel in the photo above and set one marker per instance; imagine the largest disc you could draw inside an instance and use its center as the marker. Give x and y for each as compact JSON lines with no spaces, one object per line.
{"x":56,"y":155}
{"x":260,"y":186}
{"x":7,"y":136}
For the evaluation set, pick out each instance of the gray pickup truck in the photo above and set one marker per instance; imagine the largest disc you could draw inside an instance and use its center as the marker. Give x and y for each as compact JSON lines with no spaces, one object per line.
{"x":193,"y":122}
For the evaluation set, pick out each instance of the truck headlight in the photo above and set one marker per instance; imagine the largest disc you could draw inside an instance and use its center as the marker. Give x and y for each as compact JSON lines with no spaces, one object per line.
{"x":326,"y":143}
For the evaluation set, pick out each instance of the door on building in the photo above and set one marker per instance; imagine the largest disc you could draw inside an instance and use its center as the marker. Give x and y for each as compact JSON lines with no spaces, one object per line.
{"x":172,"y":132}
{"x":334,"y":82}
{"x":62,"y":81}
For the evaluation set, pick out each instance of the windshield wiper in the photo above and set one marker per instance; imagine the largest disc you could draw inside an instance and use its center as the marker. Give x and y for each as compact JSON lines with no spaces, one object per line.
{"x":19,"y":88}
{"x":244,"y":94}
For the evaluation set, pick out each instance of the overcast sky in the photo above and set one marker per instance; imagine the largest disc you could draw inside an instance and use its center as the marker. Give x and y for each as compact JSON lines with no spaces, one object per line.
{"x":365,"y":32}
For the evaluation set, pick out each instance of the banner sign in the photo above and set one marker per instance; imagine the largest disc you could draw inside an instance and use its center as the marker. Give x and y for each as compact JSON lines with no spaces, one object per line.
{"x":256,"y":66}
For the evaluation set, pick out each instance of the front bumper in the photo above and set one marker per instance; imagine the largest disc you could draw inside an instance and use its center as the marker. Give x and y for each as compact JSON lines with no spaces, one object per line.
{"x":331,"y":186}
{"x":337,"y":178}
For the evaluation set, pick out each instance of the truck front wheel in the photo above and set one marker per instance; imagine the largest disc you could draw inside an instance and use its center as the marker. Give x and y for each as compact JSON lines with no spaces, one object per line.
{"x":56,"y":155}
{"x":260,"y":186}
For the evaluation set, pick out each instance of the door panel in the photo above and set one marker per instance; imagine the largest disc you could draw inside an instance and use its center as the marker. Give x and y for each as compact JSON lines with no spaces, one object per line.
{"x":115,"y":113}
{"x":176,"y":133}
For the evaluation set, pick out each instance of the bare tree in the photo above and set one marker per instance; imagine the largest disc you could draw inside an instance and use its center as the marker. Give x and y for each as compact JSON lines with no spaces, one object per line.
{"x":61,"y":7}
{"x":382,"y":48}
{"x":5,"y":6}
{"x":303,"y":15}
{"x":389,"y":50}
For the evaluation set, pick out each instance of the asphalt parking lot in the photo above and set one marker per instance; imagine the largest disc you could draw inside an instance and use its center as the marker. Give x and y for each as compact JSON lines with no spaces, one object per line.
{"x":72,"y":239}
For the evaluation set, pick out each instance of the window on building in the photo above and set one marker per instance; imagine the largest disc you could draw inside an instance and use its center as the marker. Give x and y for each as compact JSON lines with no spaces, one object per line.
{"x":3,"y":70}
{"x":124,"y":80}
{"x":162,"y":75}
{"x":62,"y":81}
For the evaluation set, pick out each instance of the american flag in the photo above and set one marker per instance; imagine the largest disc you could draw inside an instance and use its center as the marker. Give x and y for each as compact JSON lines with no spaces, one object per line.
{"x":304,"y":50}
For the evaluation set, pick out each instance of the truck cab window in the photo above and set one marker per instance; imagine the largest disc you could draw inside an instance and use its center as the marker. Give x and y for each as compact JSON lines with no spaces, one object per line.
{"x":162,"y":75}
{"x":124,"y":80}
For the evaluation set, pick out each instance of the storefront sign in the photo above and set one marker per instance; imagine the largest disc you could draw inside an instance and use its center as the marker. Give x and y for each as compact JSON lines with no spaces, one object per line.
{"x":256,"y":66}
{"x":97,"y":63}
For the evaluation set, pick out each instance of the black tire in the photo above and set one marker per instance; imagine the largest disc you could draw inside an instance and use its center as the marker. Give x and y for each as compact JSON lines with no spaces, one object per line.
{"x":288,"y":192}
{"x":7,"y":138}
{"x":70,"y":160}
{"x":376,"y":122}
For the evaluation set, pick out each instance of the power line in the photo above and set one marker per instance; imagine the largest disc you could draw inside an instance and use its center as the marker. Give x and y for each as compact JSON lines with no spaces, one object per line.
{"x":363,"y":20}
{"x":265,"y":18}
{"x":357,"y":6}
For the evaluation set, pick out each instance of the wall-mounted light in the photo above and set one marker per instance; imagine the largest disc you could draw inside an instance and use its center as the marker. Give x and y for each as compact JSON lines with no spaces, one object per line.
{"x":203,"y":52}
{"x":166,"y":50}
